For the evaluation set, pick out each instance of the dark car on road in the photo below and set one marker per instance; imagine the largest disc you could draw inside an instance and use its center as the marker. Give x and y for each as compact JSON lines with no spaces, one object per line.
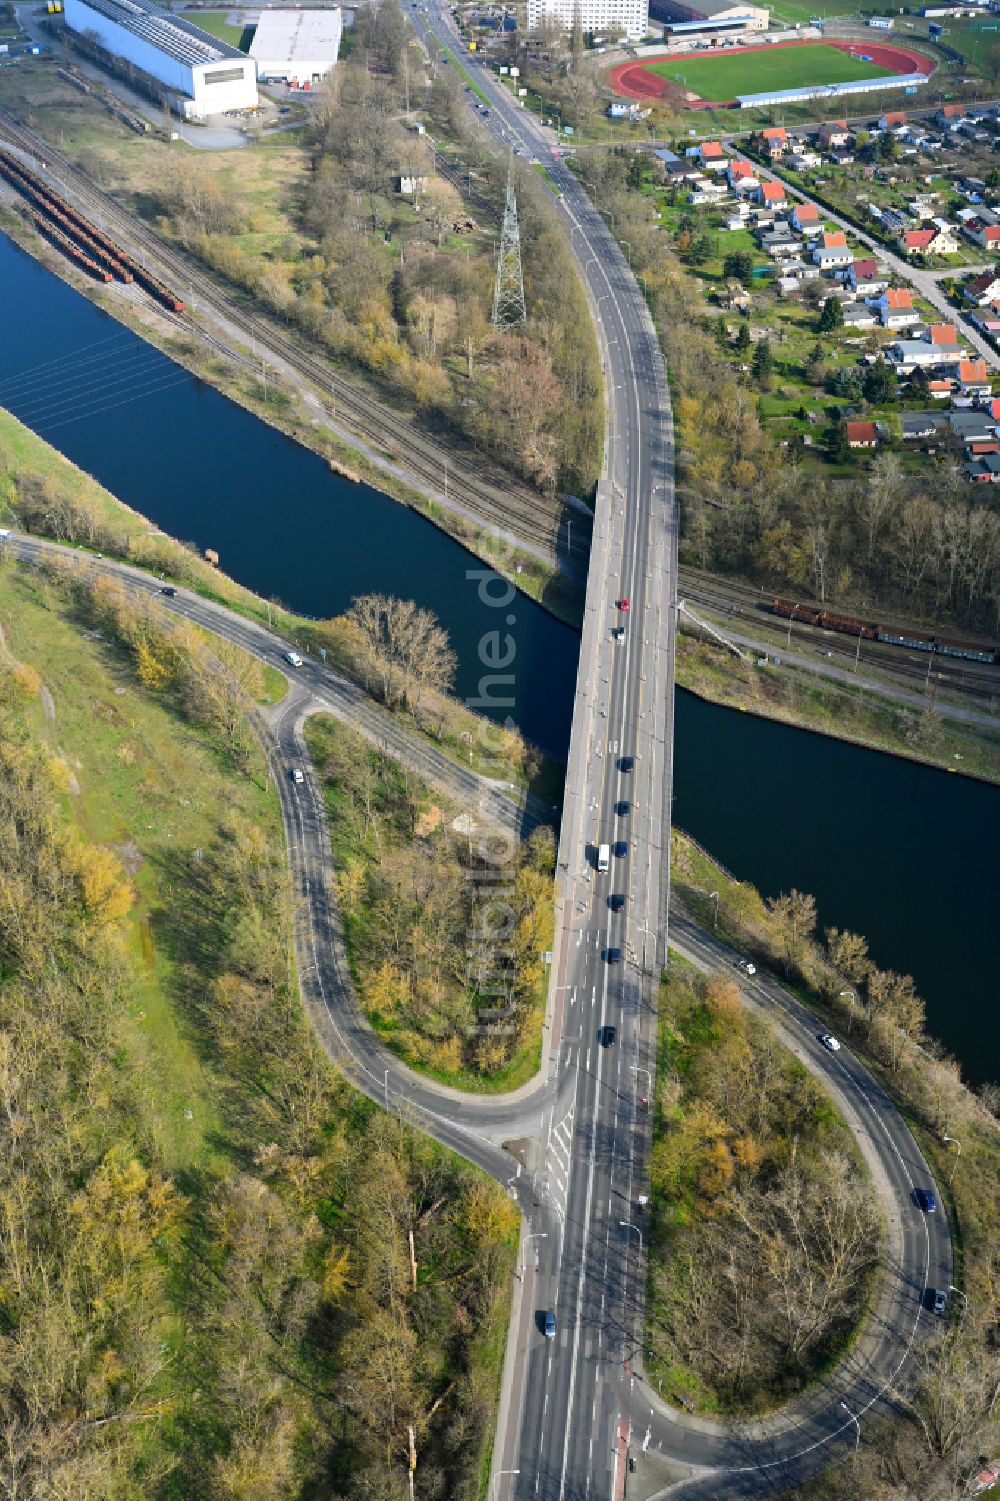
{"x":550,"y":1325}
{"x":612,"y":956}
{"x":925,"y":1200}
{"x":621,"y":849}
{"x":623,"y":808}
{"x":617,"y":901}
{"x":626,"y":763}
{"x":168,"y":590}
{"x":606,"y":1036}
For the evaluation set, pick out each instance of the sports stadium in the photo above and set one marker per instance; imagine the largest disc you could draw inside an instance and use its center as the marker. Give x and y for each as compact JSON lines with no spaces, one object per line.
{"x":775,"y":73}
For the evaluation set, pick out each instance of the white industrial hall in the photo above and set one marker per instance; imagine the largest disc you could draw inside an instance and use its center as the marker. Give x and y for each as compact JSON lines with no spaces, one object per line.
{"x":296,"y":47}
{"x":207,"y":76}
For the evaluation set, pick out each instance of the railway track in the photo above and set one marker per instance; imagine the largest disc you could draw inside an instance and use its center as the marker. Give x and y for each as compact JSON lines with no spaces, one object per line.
{"x":744,"y":603}
{"x":496,"y":500}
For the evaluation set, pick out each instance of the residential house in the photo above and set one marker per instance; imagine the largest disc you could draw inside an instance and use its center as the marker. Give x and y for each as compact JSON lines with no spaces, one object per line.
{"x":927,"y":241}
{"x":891,"y":120}
{"x":974,"y":378}
{"x":917,"y":425}
{"x":742,"y":177}
{"x":805,"y":218}
{"x":973,"y":427}
{"x":844,"y":158}
{"x":896,"y":308}
{"x":948,"y":114}
{"x":981,"y":233}
{"x":803,"y":161}
{"x":860,"y":317}
{"x":983,"y":289}
{"x":706,"y":194}
{"x":780,"y":244}
{"x":907,"y":355}
{"x":737,"y":220}
{"x":835,"y":135}
{"x":712,"y":156}
{"x":831,"y":257}
{"x":774,"y":140}
{"x":864,"y":276}
{"x":988,"y":322}
{"x":682,"y":172}
{"x":862,"y":435}
{"x":771,"y":195}
{"x":942,"y":335}
{"x":939,"y":390}
{"x":984,"y":471}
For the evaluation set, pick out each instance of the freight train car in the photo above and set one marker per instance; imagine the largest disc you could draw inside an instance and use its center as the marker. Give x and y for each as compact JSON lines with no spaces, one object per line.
{"x":889,"y":635}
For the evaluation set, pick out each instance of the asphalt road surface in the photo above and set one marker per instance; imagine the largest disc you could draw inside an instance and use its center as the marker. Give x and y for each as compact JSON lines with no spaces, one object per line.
{"x":576,"y":1408}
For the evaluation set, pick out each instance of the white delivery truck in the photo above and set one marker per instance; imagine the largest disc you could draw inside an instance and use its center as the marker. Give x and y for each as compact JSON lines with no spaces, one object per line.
{"x":604,"y":857}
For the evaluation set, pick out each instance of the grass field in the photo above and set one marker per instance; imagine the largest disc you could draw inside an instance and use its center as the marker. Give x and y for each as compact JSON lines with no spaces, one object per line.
{"x":725,"y":77}
{"x":215,"y":23}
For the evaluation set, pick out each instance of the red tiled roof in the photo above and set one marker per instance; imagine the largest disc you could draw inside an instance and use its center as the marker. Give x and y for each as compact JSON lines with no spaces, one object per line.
{"x":740,"y":169}
{"x":898,"y":297}
{"x":834,"y":239}
{"x":773,"y":192}
{"x":862,"y":432}
{"x":775,"y":133}
{"x":807,"y":213}
{"x":897,"y":117}
{"x":943,"y":333}
{"x":952,"y":111}
{"x":710,"y":148}
{"x":866,"y":270}
{"x":919,"y":239}
{"x":972,"y":370}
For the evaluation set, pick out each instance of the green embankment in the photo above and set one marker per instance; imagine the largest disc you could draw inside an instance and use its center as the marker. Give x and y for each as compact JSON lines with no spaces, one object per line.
{"x":444,"y":925}
{"x":215,"y":1232}
{"x":754,"y":1170}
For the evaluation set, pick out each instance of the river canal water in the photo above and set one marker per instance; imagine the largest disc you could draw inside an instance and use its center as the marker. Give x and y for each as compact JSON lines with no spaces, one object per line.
{"x":902,"y":853}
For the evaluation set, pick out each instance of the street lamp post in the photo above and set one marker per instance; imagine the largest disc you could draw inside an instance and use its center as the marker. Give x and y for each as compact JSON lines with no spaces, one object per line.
{"x":850,"y":1414}
{"x":628,"y":1225}
{"x":850,"y":1024}
{"x":958,"y":1144}
{"x":713,"y":896}
{"x":788,"y":640}
{"x":637,"y":1070}
{"x":960,"y":1294}
{"x":534,"y":1235}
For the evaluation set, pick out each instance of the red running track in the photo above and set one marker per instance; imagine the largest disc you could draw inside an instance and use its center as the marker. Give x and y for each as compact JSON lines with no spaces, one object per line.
{"x":633,"y":79}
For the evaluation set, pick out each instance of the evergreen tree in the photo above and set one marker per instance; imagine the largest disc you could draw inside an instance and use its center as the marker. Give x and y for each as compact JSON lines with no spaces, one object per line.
{"x":763,"y":364}
{"x":832,"y":315}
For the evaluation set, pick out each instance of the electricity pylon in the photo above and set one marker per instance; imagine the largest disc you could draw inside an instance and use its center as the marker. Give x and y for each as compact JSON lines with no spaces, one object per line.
{"x":508,"y":294}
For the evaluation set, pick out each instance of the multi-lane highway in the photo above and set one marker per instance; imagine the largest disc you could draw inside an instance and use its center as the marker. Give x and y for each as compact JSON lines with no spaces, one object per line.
{"x":576,"y":1410}
{"x":567,"y":1428}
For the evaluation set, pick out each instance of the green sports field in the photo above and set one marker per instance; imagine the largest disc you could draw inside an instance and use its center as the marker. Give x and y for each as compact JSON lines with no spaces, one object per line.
{"x":724,"y":76}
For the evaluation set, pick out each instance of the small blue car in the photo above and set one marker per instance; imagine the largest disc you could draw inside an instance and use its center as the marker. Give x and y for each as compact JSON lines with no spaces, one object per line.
{"x":926,"y":1200}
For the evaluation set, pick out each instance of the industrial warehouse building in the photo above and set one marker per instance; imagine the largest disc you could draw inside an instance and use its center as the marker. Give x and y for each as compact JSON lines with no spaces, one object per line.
{"x":628,"y":16}
{"x":708,"y":15}
{"x":199,"y":75}
{"x":296,"y":47}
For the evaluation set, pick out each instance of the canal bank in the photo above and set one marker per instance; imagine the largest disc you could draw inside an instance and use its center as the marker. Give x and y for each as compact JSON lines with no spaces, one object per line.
{"x":871,"y":837}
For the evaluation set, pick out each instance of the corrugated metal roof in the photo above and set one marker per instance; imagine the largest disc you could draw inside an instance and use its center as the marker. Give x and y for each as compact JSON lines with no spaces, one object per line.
{"x":171,"y":35}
